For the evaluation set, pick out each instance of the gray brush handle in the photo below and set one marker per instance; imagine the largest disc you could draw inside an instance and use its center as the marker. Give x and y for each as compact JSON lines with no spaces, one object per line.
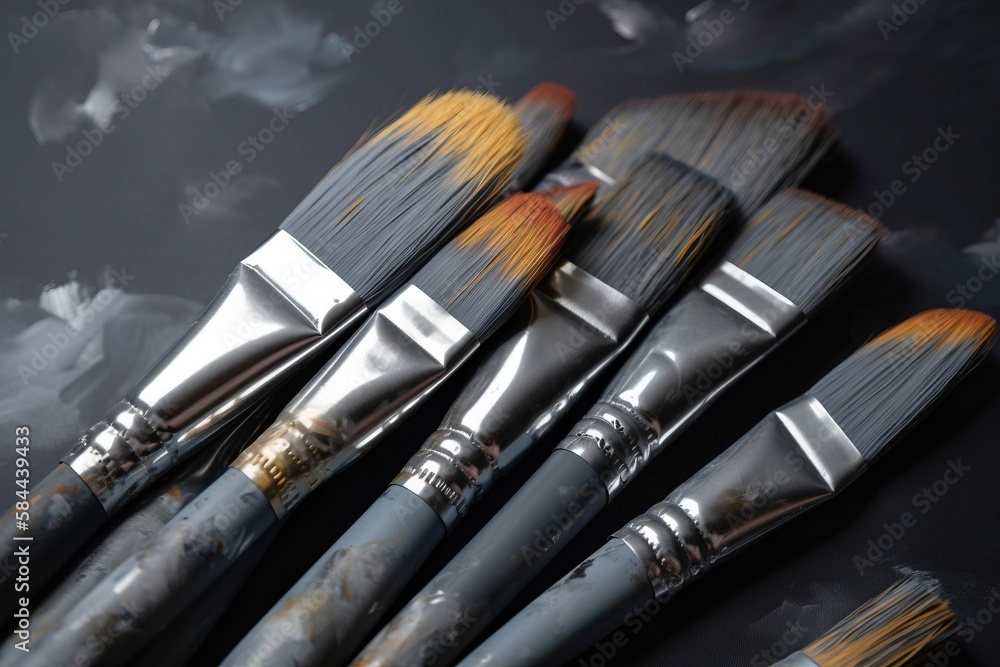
{"x":62,"y":514}
{"x":329,"y":611}
{"x":143,"y":594}
{"x":599,"y":595}
{"x":444,"y":619}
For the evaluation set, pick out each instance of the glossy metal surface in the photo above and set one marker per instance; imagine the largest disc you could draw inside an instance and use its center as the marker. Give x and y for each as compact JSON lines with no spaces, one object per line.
{"x":574,"y":172}
{"x":797,"y":659}
{"x":405,"y":350}
{"x":796,"y":458}
{"x":576,"y":325}
{"x":711,"y":337}
{"x":280,"y":305}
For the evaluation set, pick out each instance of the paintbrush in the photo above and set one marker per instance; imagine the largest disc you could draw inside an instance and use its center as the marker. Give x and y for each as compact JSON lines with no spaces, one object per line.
{"x":544,"y":112}
{"x":400,"y":355}
{"x":777,"y":274}
{"x":799,"y":456}
{"x":891,"y":630}
{"x":754,"y":143}
{"x":642,"y":241}
{"x":362,"y":231}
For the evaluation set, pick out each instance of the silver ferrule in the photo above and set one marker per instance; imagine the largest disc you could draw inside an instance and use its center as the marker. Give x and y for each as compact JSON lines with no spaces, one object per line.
{"x":797,"y":659}
{"x":278,"y":307}
{"x":574,"y":172}
{"x":571,"y":328}
{"x":408,"y":347}
{"x":712,"y":336}
{"x":794,"y":459}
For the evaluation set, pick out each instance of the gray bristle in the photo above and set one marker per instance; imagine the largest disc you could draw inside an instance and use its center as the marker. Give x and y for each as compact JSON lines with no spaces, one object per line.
{"x":884,"y":387}
{"x":891,"y":630}
{"x":649,"y":231}
{"x":754,"y":143}
{"x":483,"y":274}
{"x":544,"y":113}
{"x":804,"y":246}
{"x":377,"y":215}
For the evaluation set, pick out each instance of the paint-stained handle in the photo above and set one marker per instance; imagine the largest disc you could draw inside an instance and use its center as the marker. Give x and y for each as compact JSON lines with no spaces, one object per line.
{"x":600,"y":594}
{"x":41,"y":533}
{"x":324,"y":617}
{"x":143,"y":594}
{"x":444,"y":619}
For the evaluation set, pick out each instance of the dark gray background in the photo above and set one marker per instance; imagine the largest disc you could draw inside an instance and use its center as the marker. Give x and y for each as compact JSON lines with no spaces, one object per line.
{"x":891,"y":93}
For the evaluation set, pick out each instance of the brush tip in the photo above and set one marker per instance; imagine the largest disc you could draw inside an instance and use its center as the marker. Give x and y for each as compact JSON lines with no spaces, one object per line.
{"x":753,"y":142}
{"x":544,"y":112}
{"x":572,"y":201}
{"x":648,"y":232}
{"x":377,"y":215}
{"x":881,"y":390}
{"x":804,"y":246}
{"x":552,"y":95}
{"x":483,"y":273}
{"x":891,"y":630}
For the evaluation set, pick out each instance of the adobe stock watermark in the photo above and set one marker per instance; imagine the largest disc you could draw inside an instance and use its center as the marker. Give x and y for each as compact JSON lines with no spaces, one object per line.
{"x":58,"y":341}
{"x":913,"y":169}
{"x":246,"y":152}
{"x":361,"y":37}
{"x":974,"y":284}
{"x":922,"y":502}
{"x":93,"y":137}
{"x":782,"y":647}
{"x":898,"y":17}
{"x":31,"y":25}
{"x":757,"y":158}
{"x":703,"y":33}
{"x":562,"y":12}
{"x":968,"y":629}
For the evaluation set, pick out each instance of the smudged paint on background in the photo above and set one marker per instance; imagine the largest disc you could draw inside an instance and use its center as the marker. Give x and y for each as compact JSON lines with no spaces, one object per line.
{"x":262,"y":52}
{"x":65,"y":359}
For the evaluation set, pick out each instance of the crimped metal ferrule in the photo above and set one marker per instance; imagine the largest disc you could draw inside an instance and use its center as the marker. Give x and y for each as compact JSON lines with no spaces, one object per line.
{"x":405,"y":350}
{"x":572,"y":327}
{"x":797,"y":457}
{"x":574,"y":172}
{"x":711,"y":337}
{"x":279,"y":306}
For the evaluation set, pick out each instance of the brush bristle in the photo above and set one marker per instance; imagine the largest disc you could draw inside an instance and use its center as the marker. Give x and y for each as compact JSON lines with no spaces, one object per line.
{"x":804,"y":246}
{"x":647,"y":233}
{"x":884,"y":387}
{"x":572,"y":201}
{"x":754,"y":143}
{"x":398,"y":195}
{"x":485,"y":272}
{"x":544,"y":112}
{"x":898,"y":626}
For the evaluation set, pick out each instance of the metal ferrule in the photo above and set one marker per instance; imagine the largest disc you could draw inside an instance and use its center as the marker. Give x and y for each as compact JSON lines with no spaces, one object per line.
{"x":408,"y":347}
{"x":711,"y":337}
{"x":571,"y":328}
{"x":796,"y":458}
{"x":797,"y":659}
{"x":278,"y":307}
{"x":574,"y":172}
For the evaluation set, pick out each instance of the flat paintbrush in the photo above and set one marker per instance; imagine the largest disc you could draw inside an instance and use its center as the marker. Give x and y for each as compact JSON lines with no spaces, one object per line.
{"x":753,"y":142}
{"x":892,"y":630}
{"x":799,"y":456}
{"x":364,"y":229}
{"x":778,"y":273}
{"x":398,"y":357}
{"x":633,"y":254}
{"x":544,"y":112}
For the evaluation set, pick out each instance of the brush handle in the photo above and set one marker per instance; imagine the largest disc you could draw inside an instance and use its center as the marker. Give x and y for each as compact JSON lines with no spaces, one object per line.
{"x":599,"y":595}
{"x":279,"y":307}
{"x":446,"y":616}
{"x":152,"y":587}
{"x":325,"y":616}
{"x":61,"y":513}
